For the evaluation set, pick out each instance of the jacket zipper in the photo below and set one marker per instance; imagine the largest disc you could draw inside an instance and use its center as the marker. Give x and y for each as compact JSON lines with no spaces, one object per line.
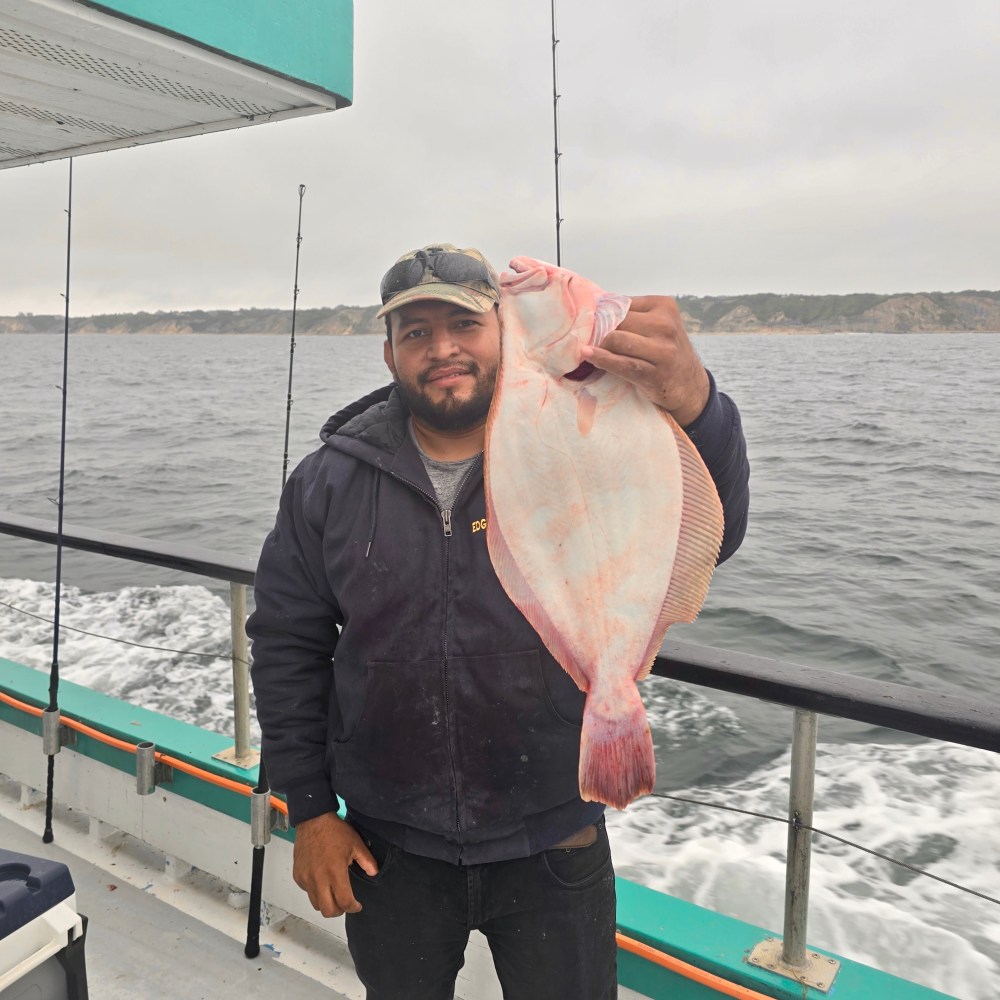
{"x":446,"y":524}
{"x":446,"y":521}
{"x":445,"y":512}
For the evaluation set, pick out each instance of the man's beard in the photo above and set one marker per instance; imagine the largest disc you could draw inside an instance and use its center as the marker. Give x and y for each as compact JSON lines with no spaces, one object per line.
{"x":452,"y":413}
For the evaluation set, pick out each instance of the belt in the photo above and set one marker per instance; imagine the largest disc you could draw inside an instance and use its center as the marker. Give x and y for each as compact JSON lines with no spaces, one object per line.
{"x":582,"y":838}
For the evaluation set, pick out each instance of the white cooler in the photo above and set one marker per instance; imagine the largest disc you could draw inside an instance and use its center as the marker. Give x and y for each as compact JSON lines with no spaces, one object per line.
{"x":41,"y":934}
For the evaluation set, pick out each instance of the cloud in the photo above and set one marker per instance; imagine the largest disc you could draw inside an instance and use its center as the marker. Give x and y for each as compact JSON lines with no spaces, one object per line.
{"x":707,"y":148}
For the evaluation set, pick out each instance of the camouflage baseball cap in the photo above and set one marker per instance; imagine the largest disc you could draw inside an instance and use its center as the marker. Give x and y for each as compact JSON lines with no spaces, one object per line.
{"x":441,"y":271}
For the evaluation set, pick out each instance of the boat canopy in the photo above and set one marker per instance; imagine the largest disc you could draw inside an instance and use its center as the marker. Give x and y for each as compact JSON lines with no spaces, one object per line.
{"x":80,"y":77}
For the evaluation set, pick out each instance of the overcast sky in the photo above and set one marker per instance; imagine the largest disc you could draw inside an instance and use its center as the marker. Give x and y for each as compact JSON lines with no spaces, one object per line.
{"x":709,"y":147}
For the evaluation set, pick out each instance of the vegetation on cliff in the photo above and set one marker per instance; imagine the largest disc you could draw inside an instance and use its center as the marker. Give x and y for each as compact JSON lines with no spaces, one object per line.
{"x":922,"y":312}
{"x":861,"y":312}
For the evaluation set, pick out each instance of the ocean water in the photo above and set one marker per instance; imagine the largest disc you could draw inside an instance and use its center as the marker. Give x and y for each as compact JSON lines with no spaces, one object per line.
{"x":872,"y":549}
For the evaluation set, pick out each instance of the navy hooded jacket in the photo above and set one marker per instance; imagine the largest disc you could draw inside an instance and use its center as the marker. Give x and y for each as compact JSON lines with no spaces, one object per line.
{"x":390,"y":667}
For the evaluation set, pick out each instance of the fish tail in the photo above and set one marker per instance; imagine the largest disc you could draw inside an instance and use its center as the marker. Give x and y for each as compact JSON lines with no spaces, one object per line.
{"x":616,"y":753}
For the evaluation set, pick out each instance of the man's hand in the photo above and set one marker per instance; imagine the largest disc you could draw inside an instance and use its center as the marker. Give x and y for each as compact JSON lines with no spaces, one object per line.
{"x":325,"y":846}
{"x":651,"y":349}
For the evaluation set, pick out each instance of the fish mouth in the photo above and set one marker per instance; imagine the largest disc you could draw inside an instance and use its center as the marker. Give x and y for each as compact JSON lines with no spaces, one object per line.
{"x":582,"y":371}
{"x":525,"y":275}
{"x":585,"y":372}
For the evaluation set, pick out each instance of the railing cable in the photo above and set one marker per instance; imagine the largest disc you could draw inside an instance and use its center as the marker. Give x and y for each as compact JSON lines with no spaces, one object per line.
{"x":833,"y":836}
{"x":124,"y":642}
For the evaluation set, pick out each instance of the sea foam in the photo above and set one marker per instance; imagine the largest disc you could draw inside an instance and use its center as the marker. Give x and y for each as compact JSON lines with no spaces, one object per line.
{"x":934,"y":806}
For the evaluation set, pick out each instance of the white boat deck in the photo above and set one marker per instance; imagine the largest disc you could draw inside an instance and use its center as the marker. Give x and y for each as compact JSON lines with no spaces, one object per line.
{"x":140,"y":946}
{"x":178,"y":935}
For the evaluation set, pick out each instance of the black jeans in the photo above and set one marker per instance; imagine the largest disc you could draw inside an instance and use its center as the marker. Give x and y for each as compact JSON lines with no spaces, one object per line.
{"x":549,"y":920}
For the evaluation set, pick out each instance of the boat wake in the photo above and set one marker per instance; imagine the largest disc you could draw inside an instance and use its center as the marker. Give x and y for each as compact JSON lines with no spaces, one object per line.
{"x":188,"y":676}
{"x":933,"y":806}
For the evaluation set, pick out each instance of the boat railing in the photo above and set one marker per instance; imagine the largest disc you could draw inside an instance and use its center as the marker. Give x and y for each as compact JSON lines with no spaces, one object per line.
{"x":195,"y":560}
{"x":808,"y":691}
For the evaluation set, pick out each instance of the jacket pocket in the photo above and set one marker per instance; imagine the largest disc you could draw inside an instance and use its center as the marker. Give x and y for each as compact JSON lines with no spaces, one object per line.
{"x":516,"y":755}
{"x":396,"y":764}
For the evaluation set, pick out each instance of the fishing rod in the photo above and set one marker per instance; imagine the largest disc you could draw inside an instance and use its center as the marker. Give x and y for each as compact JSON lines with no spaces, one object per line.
{"x":260,"y":800}
{"x":51,"y":732}
{"x":555,"y":131}
{"x":291,"y":350}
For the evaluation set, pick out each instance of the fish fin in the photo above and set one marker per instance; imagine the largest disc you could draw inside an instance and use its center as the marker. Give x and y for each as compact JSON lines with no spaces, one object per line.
{"x":617,"y":764}
{"x":609,"y":311}
{"x":586,"y":407}
{"x":698,"y":544}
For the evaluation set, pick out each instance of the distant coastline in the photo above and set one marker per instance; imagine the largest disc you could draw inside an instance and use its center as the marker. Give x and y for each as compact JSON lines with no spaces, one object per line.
{"x":765,"y":313}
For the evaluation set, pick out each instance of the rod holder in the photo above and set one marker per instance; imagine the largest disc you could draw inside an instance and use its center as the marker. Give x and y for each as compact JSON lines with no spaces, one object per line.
{"x":145,"y":768}
{"x":51,"y":732}
{"x":260,"y":818}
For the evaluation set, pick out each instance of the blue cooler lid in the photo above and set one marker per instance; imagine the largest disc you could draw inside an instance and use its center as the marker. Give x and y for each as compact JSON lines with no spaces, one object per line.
{"x":28,"y":887}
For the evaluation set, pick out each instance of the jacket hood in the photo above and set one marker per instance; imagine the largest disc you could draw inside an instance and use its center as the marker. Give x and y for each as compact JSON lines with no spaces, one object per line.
{"x":378,"y":420}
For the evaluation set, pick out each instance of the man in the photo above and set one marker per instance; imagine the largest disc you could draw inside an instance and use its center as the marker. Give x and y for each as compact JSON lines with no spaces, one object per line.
{"x":387,"y":657}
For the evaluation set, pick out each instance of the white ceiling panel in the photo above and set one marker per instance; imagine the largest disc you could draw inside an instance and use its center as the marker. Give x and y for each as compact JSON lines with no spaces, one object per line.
{"x":74,"y":80}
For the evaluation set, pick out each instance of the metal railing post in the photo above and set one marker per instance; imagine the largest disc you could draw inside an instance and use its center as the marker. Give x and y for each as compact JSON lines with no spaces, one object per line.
{"x":789,"y":957}
{"x":800,"y":815}
{"x":241,"y":668}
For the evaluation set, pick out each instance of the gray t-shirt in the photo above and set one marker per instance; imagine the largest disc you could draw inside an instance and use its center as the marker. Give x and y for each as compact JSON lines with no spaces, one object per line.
{"x":446,"y":477}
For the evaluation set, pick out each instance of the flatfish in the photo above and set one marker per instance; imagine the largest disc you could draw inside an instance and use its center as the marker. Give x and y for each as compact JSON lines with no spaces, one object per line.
{"x":603,"y":524}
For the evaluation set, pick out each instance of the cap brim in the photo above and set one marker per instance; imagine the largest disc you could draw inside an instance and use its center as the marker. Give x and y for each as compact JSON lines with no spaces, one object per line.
{"x":459,"y":295}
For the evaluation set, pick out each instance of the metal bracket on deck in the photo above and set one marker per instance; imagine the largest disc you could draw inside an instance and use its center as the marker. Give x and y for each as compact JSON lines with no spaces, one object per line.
{"x":264,"y":819}
{"x":244,"y":761}
{"x":150,"y":772}
{"x":55,"y":734}
{"x":819,"y":971}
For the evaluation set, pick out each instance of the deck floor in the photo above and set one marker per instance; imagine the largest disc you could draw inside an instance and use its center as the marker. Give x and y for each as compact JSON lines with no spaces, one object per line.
{"x":140,"y":946}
